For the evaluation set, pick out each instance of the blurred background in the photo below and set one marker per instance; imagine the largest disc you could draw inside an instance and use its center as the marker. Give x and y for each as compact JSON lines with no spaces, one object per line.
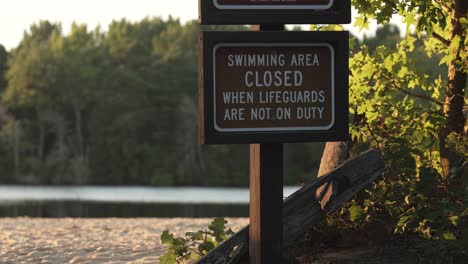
{"x":99,"y":114}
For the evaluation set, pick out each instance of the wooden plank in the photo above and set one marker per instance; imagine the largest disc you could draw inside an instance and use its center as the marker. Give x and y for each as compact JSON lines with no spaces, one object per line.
{"x":266,"y":202}
{"x":255,"y":204}
{"x":301,"y":211}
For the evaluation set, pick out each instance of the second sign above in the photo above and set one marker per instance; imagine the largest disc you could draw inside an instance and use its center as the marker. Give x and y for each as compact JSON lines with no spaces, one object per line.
{"x":273,"y":4}
{"x":274,"y":12}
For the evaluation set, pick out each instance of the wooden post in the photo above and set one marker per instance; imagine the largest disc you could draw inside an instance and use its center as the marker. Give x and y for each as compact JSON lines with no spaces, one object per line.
{"x":266,"y":195}
{"x":266,"y":203}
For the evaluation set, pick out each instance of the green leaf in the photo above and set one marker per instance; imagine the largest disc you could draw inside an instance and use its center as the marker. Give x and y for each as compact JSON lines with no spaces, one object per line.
{"x":179,"y":245}
{"x":206,"y":246}
{"x":445,"y":59}
{"x":408,"y":42}
{"x":362,"y":23}
{"x":455,"y":220}
{"x":195,"y":235}
{"x":217,"y":226}
{"x":166,"y":238}
{"x":403,"y":71}
{"x":464,"y":22}
{"x":388,"y":63}
{"x":455,"y":43}
{"x":409,"y":19}
{"x":194,"y":255}
{"x":356,"y":212}
{"x":449,"y":236}
{"x":168,"y":258}
{"x":412,"y":83}
{"x":403,"y":221}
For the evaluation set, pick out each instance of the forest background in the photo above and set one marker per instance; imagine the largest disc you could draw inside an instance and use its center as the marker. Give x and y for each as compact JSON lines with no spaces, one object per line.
{"x":120,"y":107}
{"x":114,"y":108}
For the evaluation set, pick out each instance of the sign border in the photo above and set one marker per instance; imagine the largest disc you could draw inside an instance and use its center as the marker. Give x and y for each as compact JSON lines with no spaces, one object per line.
{"x":339,"y":40}
{"x":338,"y":13}
{"x":273,"y":7}
{"x":215,"y":48}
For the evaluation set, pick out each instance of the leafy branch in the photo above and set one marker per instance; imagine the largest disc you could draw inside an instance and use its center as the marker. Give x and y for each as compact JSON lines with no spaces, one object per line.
{"x":441,"y":39}
{"x":195,"y":244}
{"x":421,"y":96}
{"x":417,"y":95}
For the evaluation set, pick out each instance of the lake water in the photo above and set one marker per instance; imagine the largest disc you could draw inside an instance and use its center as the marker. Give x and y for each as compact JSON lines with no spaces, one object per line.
{"x":92,"y":201}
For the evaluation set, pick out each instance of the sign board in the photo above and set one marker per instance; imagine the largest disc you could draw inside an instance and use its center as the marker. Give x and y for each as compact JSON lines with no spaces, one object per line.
{"x":273,"y":86}
{"x":267,"y":87}
{"x":266,"y":12}
{"x":273,"y":4}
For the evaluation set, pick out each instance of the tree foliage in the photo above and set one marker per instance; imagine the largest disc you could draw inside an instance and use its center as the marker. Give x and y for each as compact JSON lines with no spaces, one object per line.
{"x":115,"y":107}
{"x":3,"y":67}
{"x":407,"y":97}
{"x":441,"y":26}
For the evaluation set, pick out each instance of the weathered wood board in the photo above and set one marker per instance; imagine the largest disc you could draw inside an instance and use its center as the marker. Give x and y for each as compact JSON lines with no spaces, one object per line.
{"x":301,"y":210}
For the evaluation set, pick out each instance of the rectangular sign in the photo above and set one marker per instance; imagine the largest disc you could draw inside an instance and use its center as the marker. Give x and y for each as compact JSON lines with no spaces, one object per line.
{"x":273,"y":87}
{"x":289,"y":87}
{"x":269,"y":12}
{"x":273,"y":4}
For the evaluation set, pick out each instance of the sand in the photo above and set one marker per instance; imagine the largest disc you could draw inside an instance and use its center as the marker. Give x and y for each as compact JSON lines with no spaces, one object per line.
{"x":76,"y":240}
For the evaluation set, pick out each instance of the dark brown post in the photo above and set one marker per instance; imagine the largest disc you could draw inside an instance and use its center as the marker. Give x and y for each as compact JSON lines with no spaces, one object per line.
{"x":266,"y":195}
{"x":266,"y":201}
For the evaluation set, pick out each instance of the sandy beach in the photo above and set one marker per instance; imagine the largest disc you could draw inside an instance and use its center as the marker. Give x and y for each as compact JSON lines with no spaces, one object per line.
{"x":76,"y":240}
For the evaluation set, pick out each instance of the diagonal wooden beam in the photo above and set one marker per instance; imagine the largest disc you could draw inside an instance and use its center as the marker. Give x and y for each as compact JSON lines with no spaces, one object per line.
{"x":301,"y":210}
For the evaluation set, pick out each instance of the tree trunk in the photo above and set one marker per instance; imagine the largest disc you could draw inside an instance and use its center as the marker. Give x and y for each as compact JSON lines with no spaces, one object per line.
{"x":61,"y":129}
{"x":79,"y":131}
{"x":41,"y":143}
{"x":335,"y":154}
{"x":455,"y":94}
{"x":16,"y":147}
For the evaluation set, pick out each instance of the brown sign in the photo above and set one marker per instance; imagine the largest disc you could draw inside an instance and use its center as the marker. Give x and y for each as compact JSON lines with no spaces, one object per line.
{"x":273,"y":87}
{"x":273,"y":4}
